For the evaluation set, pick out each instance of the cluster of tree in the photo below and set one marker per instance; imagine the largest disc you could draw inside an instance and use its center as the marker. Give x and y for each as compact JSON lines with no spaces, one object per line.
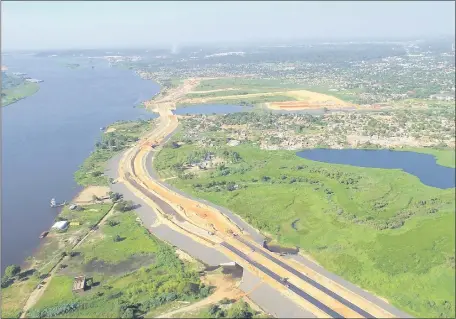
{"x":231,"y":156}
{"x":218,"y":186}
{"x":115,"y":197}
{"x":115,"y":141}
{"x":239,"y":310}
{"x":10,"y":81}
{"x":11,"y":272}
{"x":124,"y":205}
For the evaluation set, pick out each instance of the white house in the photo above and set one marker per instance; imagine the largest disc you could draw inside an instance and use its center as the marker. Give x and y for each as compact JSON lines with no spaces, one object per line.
{"x":61,"y":225}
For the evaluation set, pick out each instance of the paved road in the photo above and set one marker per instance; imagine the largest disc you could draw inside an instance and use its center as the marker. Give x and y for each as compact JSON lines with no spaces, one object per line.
{"x":290,"y":286}
{"x":233,"y":217}
{"x":267,"y":297}
{"x":308,"y":280}
{"x":258,"y":238}
{"x":348,"y":285}
{"x":148,"y":215}
{"x":278,"y":305}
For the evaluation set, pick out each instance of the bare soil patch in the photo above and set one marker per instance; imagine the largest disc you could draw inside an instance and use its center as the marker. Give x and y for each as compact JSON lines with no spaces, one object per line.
{"x":86,"y":195}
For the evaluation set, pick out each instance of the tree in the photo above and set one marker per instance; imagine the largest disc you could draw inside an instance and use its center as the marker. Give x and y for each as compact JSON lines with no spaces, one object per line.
{"x":213,"y":310}
{"x":112,"y":223}
{"x":115,"y":196}
{"x":12,"y":270}
{"x":124,"y":206}
{"x":240,"y":310}
{"x":95,"y":198}
{"x":116,"y":238}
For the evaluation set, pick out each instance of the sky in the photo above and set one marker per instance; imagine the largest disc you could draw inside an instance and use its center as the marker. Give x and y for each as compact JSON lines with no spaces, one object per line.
{"x":41,"y":25}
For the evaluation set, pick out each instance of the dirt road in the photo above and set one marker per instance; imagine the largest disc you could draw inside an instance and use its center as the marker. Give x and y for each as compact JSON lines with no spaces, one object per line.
{"x":38,"y":292}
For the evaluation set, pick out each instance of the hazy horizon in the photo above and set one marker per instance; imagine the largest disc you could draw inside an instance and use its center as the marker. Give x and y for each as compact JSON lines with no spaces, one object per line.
{"x":50,"y":25}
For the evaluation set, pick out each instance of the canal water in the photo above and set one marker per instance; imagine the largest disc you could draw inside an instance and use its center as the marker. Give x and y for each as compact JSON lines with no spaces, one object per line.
{"x":45,"y":138}
{"x":423,"y":166}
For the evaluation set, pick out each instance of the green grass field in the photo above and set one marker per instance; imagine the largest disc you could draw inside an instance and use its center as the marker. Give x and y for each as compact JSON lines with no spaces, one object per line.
{"x":122,"y":288}
{"x":48,"y":254}
{"x":381,"y":229}
{"x":15,"y":296}
{"x":19,"y":92}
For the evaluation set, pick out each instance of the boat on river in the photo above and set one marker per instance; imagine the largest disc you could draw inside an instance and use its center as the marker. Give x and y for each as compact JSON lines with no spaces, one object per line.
{"x":44,"y":234}
{"x":55,"y":204}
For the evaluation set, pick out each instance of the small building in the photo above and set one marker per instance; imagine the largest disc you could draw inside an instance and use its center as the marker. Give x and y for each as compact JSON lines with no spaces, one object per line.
{"x":79,"y":284}
{"x":233,"y":143}
{"x":61,"y":225}
{"x":73,"y":207}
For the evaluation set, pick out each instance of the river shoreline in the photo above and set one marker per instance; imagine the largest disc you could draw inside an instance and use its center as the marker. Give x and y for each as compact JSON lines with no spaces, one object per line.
{"x":36,"y":88}
{"x":60,"y":119}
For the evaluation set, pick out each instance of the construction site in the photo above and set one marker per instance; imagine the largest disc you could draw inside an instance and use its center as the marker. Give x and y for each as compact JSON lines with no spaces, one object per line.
{"x":312,"y":290}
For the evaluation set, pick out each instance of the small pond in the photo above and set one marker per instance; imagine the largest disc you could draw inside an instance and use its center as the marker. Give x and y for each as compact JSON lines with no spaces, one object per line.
{"x":211,"y":109}
{"x":423,"y":166}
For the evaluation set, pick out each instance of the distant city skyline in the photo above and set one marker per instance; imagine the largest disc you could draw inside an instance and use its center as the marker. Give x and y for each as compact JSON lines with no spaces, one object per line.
{"x":42,"y":25}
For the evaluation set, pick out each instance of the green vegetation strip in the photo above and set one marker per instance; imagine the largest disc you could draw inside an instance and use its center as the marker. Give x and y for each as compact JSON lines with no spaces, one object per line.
{"x":19,"y":92}
{"x":121,"y":136}
{"x":381,"y":229}
{"x":224,"y":309}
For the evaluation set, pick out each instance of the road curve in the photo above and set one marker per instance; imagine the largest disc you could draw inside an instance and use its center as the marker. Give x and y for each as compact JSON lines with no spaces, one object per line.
{"x":258,"y":238}
{"x":332,"y":300}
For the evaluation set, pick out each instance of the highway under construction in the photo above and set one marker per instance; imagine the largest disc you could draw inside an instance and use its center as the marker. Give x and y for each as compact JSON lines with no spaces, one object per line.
{"x":313,"y":291}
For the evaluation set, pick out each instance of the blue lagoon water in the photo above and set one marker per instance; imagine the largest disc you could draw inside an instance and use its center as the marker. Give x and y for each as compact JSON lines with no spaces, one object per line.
{"x":423,"y":166}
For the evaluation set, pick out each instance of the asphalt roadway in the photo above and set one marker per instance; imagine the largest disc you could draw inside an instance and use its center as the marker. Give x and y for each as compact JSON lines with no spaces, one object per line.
{"x":258,"y":238}
{"x":265,"y":296}
{"x":148,"y":215}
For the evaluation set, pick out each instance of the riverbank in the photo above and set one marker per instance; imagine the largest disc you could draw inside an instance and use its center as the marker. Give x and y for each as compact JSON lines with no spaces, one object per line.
{"x":92,"y":208}
{"x":114,"y":251}
{"x":118,"y":137}
{"x":19,"y":92}
{"x":61,"y":119}
{"x":359,"y":223}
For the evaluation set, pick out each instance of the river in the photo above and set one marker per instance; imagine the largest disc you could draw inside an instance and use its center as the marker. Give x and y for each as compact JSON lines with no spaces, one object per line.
{"x":423,"y":166}
{"x":45,"y":137}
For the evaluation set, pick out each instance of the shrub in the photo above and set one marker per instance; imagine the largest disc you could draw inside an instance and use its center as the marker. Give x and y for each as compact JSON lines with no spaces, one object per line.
{"x":53,"y":311}
{"x":213,"y":310}
{"x":124,"y":206}
{"x":113,"y":223}
{"x":12,"y":270}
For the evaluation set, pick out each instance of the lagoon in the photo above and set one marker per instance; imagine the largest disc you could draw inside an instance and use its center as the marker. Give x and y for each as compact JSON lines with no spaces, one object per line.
{"x":423,"y":166}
